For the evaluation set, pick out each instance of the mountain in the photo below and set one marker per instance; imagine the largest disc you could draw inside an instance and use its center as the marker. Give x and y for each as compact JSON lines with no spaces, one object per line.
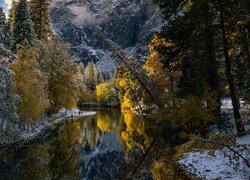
{"x":129,"y":23}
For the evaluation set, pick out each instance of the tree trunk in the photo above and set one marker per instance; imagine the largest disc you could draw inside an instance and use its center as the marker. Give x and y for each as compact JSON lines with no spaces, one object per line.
{"x":237,"y":116}
{"x":212,"y":69}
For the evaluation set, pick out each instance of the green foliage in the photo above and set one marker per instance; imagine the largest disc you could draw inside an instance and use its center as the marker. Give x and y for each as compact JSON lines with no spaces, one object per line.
{"x":11,"y":14}
{"x":22,"y":26}
{"x":40,"y":12}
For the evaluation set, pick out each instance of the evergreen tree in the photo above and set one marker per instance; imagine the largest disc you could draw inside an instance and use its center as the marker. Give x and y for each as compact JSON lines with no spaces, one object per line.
{"x":90,"y":75}
{"x":7,"y":33}
{"x":2,"y":25}
{"x":31,"y":85}
{"x":40,"y":17}
{"x":99,"y":76}
{"x":200,"y":40}
{"x":11,"y":14}
{"x":237,"y":116}
{"x":8,"y":98}
{"x":23,"y":26}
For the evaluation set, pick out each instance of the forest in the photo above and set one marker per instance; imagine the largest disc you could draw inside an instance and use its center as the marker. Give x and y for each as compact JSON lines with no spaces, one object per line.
{"x":184,"y":108}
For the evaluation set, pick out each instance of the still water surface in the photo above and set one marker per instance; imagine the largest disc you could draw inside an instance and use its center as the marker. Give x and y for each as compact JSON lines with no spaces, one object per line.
{"x":87,"y":148}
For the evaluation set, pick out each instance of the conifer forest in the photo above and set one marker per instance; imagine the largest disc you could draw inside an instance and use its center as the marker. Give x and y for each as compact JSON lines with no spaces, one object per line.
{"x":124,"y":89}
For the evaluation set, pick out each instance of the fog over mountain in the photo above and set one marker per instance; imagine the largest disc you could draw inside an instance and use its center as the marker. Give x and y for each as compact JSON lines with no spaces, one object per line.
{"x":129,"y":23}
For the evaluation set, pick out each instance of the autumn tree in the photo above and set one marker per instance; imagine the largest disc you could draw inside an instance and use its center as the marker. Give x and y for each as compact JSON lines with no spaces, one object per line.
{"x":31,"y":85}
{"x":63,"y":88}
{"x":106,"y":93}
{"x":131,"y":94}
{"x":161,"y":66}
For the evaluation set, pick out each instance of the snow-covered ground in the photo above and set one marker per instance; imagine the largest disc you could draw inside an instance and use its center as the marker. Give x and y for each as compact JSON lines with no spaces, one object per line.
{"x":39,"y":127}
{"x":223,"y":163}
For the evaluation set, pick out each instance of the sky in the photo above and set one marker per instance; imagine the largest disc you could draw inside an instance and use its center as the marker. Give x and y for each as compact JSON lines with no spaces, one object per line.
{"x":5,"y":4}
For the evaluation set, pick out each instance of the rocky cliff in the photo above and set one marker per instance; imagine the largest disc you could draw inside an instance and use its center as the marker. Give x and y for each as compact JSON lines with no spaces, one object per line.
{"x":129,"y":23}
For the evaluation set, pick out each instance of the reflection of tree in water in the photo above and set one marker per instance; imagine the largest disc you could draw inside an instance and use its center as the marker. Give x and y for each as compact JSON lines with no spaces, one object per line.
{"x":135,"y":134}
{"x":108,"y":122}
{"x":64,"y":152}
{"x":35,"y":166}
{"x":150,"y":150}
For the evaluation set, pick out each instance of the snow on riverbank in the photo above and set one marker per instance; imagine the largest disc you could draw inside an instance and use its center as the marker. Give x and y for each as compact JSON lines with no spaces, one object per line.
{"x":223,"y":163}
{"x":37,"y":129}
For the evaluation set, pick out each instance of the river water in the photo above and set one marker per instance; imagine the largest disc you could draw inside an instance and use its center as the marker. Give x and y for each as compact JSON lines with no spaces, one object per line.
{"x":86,"y":148}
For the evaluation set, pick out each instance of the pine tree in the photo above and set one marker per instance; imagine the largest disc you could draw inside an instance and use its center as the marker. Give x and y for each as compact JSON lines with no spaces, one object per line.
{"x":23,"y":26}
{"x":31,"y":85}
{"x":2,"y":26}
{"x":7,"y":33}
{"x":11,"y":14}
{"x":8,"y":98}
{"x":237,"y":116}
{"x":99,"y":76}
{"x":40,"y":17}
{"x":90,"y":75}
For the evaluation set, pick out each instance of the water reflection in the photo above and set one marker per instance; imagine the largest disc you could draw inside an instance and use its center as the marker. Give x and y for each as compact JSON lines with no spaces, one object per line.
{"x":89,"y":148}
{"x":136,"y":132}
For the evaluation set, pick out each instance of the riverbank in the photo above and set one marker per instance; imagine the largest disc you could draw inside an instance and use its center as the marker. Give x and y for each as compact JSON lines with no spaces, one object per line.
{"x":222,"y":163}
{"x":37,"y":129}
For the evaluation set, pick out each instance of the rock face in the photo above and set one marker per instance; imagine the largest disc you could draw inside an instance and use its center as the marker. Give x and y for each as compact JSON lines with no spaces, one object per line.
{"x":129,"y":23}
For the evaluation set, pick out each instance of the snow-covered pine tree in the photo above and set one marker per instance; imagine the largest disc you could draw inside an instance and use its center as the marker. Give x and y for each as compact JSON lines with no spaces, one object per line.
{"x":2,"y":26}
{"x":7,"y":34}
{"x":8,"y":99}
{"x":23,"y":26}
{"x":39,"y":11}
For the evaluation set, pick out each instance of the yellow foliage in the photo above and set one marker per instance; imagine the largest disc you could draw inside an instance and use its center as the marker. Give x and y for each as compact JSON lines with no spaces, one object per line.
{"x":153,"y":65}
{"x":162,"y":171}
{"x":135,"y":133}
{"x":105,"y":92}
{"x":63,"y":87}
{"x":159,"y":65}
{"x":130,"y":91}
{"x":105,"y":123}
{"x":31,"y":85}
{"x":126,"y":104}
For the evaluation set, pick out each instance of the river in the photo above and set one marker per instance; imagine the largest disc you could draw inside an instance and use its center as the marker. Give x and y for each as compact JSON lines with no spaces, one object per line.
{"x":86,"y":148}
